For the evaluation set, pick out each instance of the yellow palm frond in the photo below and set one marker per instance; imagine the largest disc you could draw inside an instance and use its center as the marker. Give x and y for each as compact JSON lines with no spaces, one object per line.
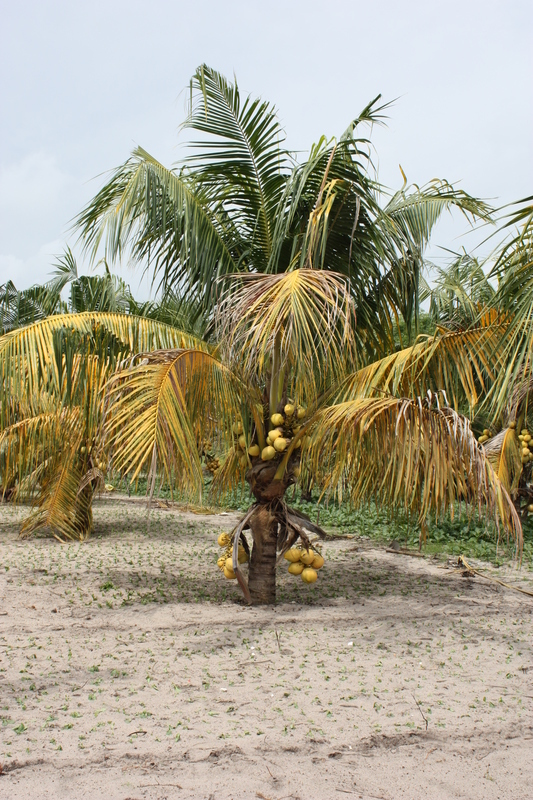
{"x":298,"y":327}
{"x":26,"y":354}
{"x":404,"y":453}
{"x":464,"y":364}
{"x":158,"y":410}
{"x":503,"y":452}
{"x":61,"y":506}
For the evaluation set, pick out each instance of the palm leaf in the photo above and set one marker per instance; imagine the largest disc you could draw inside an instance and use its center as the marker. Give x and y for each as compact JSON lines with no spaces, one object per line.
{"x":160,"y":409}
{"x":163,"y":217}
{"x":410,"y":454}
{"x":242,"y":158}
{"x":296,"y":327}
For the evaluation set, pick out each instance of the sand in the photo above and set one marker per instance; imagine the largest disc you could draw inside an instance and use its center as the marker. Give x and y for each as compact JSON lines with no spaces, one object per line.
{"x":129,"y":668}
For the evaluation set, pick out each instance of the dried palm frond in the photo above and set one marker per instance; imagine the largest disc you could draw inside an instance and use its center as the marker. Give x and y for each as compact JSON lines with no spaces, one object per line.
{"x":414,"y":454}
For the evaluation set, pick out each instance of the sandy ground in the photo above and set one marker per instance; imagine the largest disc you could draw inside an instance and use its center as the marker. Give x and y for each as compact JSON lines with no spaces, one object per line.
{"x":129,"y":668}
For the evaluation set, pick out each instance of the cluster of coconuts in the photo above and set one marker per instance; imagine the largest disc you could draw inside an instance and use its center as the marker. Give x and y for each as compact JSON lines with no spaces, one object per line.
{"x":485,"y":437}
{"x":86,"y":451}
{"x":304,"y":563}
{"x":524,"y":437}
{"x":225,"y":561}
{"x":285,"y":426}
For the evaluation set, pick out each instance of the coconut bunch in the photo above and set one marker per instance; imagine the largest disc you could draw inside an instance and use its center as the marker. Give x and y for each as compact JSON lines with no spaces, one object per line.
{"x":304,"y":563}
{"x":524,"y":437}
{"x":284,"y":427}
{"x":225,"y":561}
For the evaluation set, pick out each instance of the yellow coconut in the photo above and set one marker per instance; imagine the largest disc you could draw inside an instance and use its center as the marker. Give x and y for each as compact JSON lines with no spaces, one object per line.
{"x":530,"y":508}
{"x":293,"y":554}
{"x":229,"y":574}
{"x":224,"y":539}
{"x":242,"y":556}
{"x":289,"y":410}
{"x":243,"y":461}
{"x":300,"y":413}
{"x":254,"y":450}
{"x":512,"y":424}
{"x":83,"y":450}
{"x":309,"y":575}
{"x":318,"y":561}
{"x":221,"y":562}
{"x":524,"y":431}
{"x":280,"y":444}
{"x":242,"y":442}
{"x":277,"y":419}
{"x":486,"y":432}
{"x":296,"y":568}
{"x":525,"y":451}
{"x":482,"y":439}
{"x":268,"y":453}
{"x":274,"y":434}
{"x":237,"y":428}
{"x":307,"y":556}
{"x":527,"y":438}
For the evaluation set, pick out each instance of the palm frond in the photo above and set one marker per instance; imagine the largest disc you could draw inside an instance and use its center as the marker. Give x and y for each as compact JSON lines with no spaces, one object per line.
{"x":503,"y":452}
{"x":163,"y":217}
{"x":242,"y":157}
{"x":27,"y":354}
{"x":410,"y":454}
{"x":160,"y":409}
{"x":296,"y":327}
{"x":61,"y":506}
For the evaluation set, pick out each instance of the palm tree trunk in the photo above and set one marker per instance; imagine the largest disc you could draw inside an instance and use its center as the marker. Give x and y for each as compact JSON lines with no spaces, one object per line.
{"x":262,"y":573}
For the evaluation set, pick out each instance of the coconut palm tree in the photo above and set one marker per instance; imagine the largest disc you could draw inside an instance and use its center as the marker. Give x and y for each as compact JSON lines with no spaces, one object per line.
{"x":301,"y":274}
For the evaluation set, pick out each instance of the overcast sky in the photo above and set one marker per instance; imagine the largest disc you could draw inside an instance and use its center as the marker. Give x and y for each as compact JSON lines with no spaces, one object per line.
{"x":84,"y":82}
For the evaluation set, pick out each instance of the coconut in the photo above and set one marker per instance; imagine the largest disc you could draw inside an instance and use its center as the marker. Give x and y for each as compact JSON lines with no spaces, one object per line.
{"x":309,"y":575}
{"x":254,"y":450}
{"x":289,"y":410}
{"x":296,"y":568}
{"x":221,"y":562}
{"x":242,"y":442}
{"x":300,"y":413}
{"x":277,"y":419}
{"x":224,"y":539}
{"x":268,"y":453}
{"x":274,"y":434}
{"x":237,"y":428}
{"x":307,"y":557}
{"x":318,"y":561}
{"x":512,"y":424}
{"x":280,"y":444}
{"x":292,"y":555}
{"x":229,"y":574}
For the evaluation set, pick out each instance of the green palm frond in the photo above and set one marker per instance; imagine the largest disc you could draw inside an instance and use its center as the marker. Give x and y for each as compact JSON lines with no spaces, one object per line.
{"x":412,"y":454}
{"x":242,"y":158}
{"x":414,"y":212}
{"x":164,"y":217}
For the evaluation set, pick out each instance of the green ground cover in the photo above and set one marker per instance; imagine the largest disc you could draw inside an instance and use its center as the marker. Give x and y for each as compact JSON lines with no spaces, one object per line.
{"x":471,"y":536}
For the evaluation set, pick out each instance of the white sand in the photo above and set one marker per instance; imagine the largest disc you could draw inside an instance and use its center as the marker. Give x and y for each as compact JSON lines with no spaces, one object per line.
{"x":129,"y":668}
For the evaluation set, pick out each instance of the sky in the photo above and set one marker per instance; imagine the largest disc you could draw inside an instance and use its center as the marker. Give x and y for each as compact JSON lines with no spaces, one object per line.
{"x":85,"y":82}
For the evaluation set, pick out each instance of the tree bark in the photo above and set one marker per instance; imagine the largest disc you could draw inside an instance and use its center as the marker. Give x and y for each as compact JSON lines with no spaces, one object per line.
{"x":262,"y":572}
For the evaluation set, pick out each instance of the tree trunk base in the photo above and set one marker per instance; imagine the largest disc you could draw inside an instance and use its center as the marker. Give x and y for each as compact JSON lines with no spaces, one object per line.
{"x":262,"y":571}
